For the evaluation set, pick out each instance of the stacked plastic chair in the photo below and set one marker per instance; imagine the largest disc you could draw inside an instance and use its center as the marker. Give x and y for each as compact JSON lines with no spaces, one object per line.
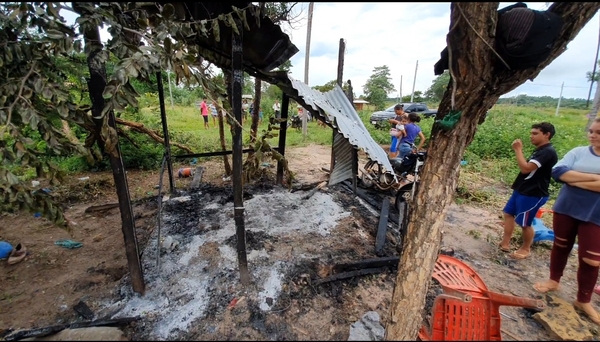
{"x":467,"y":310}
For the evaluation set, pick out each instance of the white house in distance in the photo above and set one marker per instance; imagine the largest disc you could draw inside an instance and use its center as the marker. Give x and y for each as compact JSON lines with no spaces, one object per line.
{"x":359,"y":104}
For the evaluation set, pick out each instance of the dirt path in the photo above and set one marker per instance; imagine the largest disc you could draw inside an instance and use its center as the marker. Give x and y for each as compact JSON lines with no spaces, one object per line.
{"x":42,"y":290}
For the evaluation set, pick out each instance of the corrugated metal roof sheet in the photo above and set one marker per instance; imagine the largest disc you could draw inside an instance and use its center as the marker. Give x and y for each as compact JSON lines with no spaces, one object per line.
{"x":343,"y":152}
{"x":337,"y":110}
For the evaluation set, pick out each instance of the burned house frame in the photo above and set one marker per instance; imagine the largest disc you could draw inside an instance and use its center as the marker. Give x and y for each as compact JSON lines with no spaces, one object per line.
{"x":257,"y":50}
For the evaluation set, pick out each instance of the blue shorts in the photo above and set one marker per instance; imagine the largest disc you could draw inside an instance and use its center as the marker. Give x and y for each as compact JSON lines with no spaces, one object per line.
{"x":524,"y":208}
{"x":405,"y":149}
{"x":394,"y":145}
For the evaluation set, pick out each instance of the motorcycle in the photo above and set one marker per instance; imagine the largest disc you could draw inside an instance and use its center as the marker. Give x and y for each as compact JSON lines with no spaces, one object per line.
{"x":404,"y":185}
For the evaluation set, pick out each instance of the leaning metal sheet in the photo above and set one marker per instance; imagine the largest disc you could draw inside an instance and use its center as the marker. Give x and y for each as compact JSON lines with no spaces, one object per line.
{"x":334,"y":104}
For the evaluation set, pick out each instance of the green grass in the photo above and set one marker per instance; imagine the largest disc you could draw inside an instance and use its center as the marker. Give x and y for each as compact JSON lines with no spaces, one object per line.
{"x":489,"y":154}
{"x":186,"y":126}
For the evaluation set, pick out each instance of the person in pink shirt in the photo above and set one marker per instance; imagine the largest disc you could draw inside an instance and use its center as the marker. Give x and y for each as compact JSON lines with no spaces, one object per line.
{"x":204,"y":112}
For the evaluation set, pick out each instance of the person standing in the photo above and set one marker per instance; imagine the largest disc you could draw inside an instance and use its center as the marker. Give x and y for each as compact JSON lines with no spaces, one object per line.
{"x":214,"y":112}
{"x":530,"y":188}
{"x":204,"y":112}
{"x":405,"y":144}
{"x":277,"y":109}
{"x":399,"y":111}
{"x":577,"y":216}
{"x":245,"y":108}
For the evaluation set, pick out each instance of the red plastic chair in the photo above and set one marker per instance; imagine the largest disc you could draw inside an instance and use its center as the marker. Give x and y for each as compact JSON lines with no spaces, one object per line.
{"x":467,"y":310}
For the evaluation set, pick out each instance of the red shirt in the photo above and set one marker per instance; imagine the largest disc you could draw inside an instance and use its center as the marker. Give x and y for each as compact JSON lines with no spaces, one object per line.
{"x":204,"y":109}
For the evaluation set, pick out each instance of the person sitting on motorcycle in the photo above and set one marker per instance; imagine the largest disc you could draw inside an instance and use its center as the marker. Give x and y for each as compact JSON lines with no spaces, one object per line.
{"x":405,"y":145}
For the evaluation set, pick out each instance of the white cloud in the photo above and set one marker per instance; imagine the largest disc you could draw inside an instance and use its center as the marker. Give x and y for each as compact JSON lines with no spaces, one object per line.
{"x":400,"y":34}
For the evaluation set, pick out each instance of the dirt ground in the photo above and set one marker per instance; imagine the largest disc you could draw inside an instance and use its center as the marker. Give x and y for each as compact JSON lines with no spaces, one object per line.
{"x":43,"y":289}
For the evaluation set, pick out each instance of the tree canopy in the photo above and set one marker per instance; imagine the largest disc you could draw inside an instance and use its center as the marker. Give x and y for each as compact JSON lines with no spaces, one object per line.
{"x":378,"y":86}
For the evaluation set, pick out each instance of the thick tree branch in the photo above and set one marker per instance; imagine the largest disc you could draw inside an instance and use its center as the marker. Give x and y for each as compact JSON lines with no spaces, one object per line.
{"x":138,"y":127}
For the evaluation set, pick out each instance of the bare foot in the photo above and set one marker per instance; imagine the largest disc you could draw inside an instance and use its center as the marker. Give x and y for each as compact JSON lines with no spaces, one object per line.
{"x":546,"y":286}
{"x":588,"y":310}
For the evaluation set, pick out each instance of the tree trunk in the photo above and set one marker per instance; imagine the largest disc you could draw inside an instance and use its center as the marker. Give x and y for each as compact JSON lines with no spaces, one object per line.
{"x":479,"y":81}
{"x":96,"y":85}
{"x":257,"y":98}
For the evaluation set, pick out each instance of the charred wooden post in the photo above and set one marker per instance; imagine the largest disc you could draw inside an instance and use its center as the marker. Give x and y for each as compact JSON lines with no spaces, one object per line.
{"x":163,"y":120}
{"x":96,"y":85}
{"x":238,"y":186}
{"x":340,"y":74}
{"x":382,"y":228}
{"x":350,"y":96}
{"x":285,"y":104}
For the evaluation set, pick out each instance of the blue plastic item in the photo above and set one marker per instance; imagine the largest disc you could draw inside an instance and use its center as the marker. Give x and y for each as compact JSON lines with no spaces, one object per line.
{"x":542,"y":232}
{"x":5,"y":249}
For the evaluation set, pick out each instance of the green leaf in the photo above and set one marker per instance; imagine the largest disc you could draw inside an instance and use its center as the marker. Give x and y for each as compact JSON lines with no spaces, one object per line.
{"x":168,"y":11}
{"x":8,"y":56}
{"x":63,"y":111}
{"x":215,"y":30}
{"x":12,"y":179}
{"x":47,"y":93}
{"x":142,"y":22}
{"x":232,"y":23}
{"x":55,"y":34}
{"x":38,"y":85}
{"x":109,"y":91}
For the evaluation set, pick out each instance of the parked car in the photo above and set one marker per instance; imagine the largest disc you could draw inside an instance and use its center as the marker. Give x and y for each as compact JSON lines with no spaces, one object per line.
{"x":380,"y":118}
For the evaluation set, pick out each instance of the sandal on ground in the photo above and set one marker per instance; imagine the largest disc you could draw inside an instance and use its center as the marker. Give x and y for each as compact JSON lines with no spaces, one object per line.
{"x":594,"y":318}
{"x":542,"y":288}
{"x":505,"y":250}
{"x":17,"y":255}
{"x":518,"y":256}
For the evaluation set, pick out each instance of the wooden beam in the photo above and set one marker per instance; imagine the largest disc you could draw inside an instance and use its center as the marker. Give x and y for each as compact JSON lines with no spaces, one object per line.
{"x":163,"y":120}
{"x":382,"y":229}
{"x":366,"y":263}
{"x":285,"y":105}
{"x":346,"y":275}
{"x":40,"y":332}
{"x":238,"y":184}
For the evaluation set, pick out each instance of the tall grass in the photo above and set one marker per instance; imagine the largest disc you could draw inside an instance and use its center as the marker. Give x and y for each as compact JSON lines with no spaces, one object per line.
{"x":489,"y":154}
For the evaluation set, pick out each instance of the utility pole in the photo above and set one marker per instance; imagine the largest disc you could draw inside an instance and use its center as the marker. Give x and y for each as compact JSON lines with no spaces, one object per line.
{"x":306,"y":59}
{"x":559,"y":98}
{"x":400,"y":89}
{"x":412,"y":96}
{"x":170,"y":91}
{"x":587,"y":103}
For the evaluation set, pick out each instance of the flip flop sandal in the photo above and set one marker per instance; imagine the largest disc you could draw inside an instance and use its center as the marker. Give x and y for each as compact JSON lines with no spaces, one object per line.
{"x":595,"y":319}
{"x":539,"y":287}
{"x":519,"y":256}
{"x":505,"y":250}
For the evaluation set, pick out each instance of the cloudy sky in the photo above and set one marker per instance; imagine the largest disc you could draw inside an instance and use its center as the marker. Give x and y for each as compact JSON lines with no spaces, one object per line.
{"x":400,"y":34}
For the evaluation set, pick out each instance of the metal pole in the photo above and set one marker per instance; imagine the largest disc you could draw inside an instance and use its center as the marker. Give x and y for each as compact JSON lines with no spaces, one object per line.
{"x":163,"y":119}
{"x":238,"y":200}
{"x":559,"y":98}
{"x":170,"y":91}
{"x":412,"y":96}
{"x":587,"y":103}
{"x":400,"y":88}
{"x":306,"y":59}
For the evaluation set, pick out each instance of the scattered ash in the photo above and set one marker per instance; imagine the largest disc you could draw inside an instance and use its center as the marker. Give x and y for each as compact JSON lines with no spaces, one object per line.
{"x":255,"y":240}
